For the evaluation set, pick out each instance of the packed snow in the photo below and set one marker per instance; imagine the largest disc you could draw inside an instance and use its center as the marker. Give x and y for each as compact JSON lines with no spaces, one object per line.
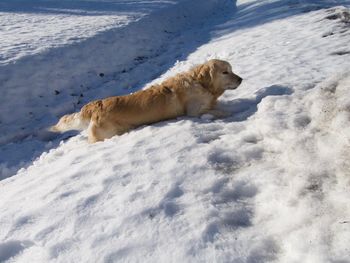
{"x":270,"y":183}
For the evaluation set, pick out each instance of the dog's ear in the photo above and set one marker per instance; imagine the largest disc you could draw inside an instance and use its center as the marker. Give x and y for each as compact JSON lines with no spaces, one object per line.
{"x":205,"y":74}
{"x":213,"y":69}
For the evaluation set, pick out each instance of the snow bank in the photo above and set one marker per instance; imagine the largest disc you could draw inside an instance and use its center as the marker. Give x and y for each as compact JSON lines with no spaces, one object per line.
{"x":308,"y":134}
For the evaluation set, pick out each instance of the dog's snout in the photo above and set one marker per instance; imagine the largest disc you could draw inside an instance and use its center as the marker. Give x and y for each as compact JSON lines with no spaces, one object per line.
{"x":240,"y":80}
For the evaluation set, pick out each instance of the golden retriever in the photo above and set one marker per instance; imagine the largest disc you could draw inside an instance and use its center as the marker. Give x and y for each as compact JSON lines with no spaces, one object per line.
{"x":191,"y":93}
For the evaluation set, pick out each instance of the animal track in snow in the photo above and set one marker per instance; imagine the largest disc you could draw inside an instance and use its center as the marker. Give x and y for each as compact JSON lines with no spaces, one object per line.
{"x":235,"y":211}
{"x":174,"y":192}
{"x":208,"y":133}
{"x":228,"y":221}
{"x":22,"y":221}
{"x":301,"y":121}
{"x":240,"y":191}
{"x":168,"y":204}
{"x":45,"y":233}
{"x":66,"y":194}
{"x":239,"y":218}
{"x":224,"y":161}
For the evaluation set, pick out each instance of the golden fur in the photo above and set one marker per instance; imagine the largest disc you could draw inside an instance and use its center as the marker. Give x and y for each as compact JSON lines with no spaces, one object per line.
{"x":191,"y":93}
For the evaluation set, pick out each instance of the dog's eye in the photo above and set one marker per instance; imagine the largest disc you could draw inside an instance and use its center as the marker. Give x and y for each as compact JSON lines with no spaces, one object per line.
{"x":225,"y":72}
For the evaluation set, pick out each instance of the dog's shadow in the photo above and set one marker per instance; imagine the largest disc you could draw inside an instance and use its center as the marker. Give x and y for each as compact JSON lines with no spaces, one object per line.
{"x":242,"y":109}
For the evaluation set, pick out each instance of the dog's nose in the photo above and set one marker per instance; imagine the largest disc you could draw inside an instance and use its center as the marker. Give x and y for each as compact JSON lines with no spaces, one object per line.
{"x":240,"y":80}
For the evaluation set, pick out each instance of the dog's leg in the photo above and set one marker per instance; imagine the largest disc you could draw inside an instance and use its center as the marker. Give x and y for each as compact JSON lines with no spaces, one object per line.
{"x":194,"y":109}
{"x":93,"y":134}
{"x":104,"y":131}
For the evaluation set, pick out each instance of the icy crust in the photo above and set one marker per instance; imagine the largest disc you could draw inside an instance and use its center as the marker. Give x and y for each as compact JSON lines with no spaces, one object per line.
{"x":48,"y":84}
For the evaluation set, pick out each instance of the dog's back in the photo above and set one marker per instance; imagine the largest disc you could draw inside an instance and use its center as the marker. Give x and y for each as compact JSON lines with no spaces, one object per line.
{"x":122,"y":113}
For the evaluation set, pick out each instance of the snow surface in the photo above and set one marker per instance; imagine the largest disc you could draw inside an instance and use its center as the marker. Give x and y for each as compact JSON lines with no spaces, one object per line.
{"x":268,"y":184}
{"x":114,"y":62}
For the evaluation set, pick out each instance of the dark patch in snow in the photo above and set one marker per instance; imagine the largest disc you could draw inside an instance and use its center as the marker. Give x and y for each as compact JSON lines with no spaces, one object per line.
{"x":23,"y":220}
{"x":239,"y":192}
{"x":12,"y":248}
{"x":210,"y":232}
{"x":140,"y":58}
{"x":301,"y":121}
{"x":239,"y":218}
{"x":174,"y":192}
{"x":218,"y":185}
{"x":341,"y":52}
{"x":328,"y":34}
{"x":341,"y":14}
{"x":86,"y":203}
{"x":332,"y":17}
{"x":66,"y":194}
{"x":44,"y":233}
{"x":223,"y":161}
{"x":170,"y":208}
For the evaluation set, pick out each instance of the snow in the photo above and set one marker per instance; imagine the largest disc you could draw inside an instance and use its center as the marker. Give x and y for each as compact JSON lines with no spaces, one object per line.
{"x":114,"y":62}
{"x":268,"y":184}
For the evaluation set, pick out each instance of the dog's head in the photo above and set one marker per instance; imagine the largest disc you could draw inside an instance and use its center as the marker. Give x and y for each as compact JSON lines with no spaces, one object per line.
{"x":217,"y":75}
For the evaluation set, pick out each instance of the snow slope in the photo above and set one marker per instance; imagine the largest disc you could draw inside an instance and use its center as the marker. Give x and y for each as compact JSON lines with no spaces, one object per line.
{"x":55,"y":81}
{"x":268,"y":184}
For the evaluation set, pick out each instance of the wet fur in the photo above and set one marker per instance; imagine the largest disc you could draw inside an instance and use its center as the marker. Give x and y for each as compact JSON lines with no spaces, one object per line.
{"x":191,"y":93}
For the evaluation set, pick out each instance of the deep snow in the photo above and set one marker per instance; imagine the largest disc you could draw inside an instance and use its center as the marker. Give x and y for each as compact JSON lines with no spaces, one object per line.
{"x":268,"y":184}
